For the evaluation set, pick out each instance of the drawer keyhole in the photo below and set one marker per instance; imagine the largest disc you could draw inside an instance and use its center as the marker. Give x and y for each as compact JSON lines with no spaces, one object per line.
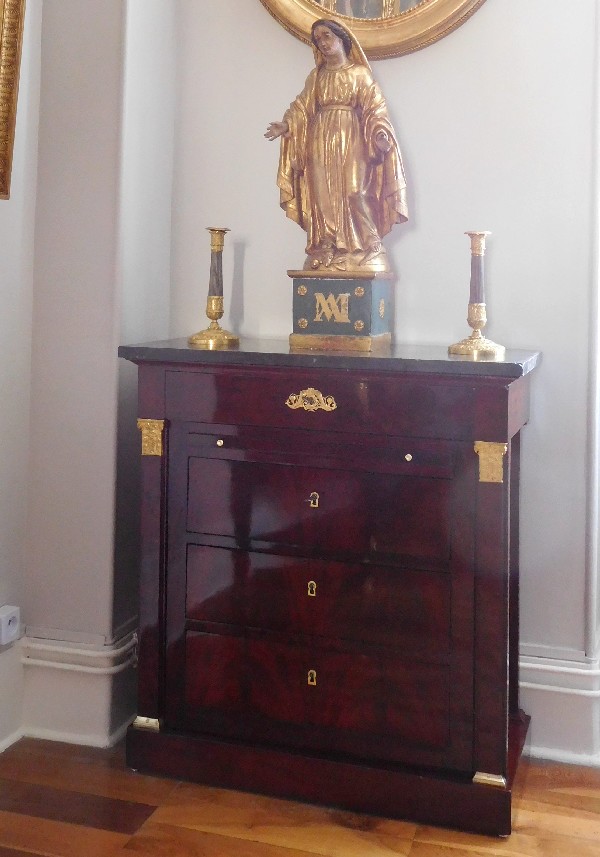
{"x":312,"y":678}
{"x":312,"y":588}
{"x":313,"y":500}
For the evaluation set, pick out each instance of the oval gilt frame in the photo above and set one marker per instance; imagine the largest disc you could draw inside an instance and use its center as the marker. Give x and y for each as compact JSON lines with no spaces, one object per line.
{"x":410,"y":31}
{"x":12,"y":14}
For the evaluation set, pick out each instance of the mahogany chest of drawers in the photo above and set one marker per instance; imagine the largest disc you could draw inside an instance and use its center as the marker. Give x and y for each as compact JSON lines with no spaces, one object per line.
{"x":329,"y":577}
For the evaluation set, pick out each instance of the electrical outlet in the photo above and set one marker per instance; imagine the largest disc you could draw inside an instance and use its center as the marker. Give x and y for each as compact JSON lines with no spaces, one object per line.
{"x":10,"y":624}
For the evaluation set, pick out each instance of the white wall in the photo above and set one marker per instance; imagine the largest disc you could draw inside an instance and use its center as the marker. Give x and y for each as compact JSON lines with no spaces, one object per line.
{"x":102,"y":263}
{"x":69,"y":583}
{"x":497,"y":123}
{"x":16,"y":278}
{"x":145,"y":251}
{"x":74,"y":328}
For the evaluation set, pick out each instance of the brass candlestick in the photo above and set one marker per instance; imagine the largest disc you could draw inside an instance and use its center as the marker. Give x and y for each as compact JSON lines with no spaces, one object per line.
{"x":476,"y":346}
{"x":214,"y":337}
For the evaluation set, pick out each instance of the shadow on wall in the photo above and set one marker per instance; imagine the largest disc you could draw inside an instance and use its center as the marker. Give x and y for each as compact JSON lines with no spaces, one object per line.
{"x":236,"y":313}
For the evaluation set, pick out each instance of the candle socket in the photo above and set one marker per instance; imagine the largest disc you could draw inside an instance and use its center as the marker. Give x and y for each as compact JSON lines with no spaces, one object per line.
{"x":214,"y":338}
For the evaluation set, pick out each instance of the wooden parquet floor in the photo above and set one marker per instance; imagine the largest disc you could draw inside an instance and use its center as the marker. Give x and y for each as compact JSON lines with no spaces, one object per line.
{"x":64,"y":801}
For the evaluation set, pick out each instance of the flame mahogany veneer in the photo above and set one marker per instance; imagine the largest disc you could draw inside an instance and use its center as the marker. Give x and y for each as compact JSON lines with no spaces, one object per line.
{"x":329,"y":597}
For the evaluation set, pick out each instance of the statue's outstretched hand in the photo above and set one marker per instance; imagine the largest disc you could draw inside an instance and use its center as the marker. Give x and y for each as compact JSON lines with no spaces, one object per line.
{"x":276,"y":129}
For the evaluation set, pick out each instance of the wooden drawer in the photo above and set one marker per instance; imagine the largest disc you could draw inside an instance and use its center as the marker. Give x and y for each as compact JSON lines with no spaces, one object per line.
{"x":378,"y":605}
{"x":325,"y":509}
{"x":321,"y":400}
{"x":347,"y":702}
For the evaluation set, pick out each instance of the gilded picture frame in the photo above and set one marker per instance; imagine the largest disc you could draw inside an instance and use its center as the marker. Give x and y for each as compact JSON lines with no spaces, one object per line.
{"x":12,"y":14}
{"x":388,"y":36}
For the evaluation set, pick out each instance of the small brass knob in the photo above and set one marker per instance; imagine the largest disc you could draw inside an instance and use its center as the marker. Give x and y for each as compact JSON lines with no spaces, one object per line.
{"x":220,"y":442}
{"x":408,"y":457}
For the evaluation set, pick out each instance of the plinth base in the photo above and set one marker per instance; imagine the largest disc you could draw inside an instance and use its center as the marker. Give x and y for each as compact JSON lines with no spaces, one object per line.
{"x":341,"y":313}
{"x":445,"y":798}
{"x":314,"y":342}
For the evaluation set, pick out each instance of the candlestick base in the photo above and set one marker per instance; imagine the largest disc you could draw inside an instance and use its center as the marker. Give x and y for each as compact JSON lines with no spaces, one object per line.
{"x":214,"y":338}
{"x":476,"y":346}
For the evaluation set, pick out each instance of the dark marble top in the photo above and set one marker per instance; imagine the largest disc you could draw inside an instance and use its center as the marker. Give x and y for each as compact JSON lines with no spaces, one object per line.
{"x":276,"y":352}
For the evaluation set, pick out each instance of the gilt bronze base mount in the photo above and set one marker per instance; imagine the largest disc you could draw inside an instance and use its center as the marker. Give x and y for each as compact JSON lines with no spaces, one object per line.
{"x":214,"y":338}
{"x":476,"y":346}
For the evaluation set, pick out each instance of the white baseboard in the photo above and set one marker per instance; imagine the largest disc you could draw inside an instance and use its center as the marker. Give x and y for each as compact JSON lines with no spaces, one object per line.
{"x":563,"y":756}
{"x":563,"y":699}
{"x":83,"y":739}
{"x":65,"y":655}
{"x":78,"y":693}
{"x":11,"y":694}
{"x":11,"y":739}
{"x":551,"y":653}
{"x":79,"y":638}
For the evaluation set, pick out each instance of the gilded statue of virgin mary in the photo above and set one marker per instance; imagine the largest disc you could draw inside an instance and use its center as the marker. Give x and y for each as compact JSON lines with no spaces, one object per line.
{"x":340,"y":170}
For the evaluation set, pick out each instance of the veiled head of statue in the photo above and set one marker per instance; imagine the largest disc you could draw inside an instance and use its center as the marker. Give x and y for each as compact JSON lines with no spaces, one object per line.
{"x":351,"y":45}
{"x":336,"y":29}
